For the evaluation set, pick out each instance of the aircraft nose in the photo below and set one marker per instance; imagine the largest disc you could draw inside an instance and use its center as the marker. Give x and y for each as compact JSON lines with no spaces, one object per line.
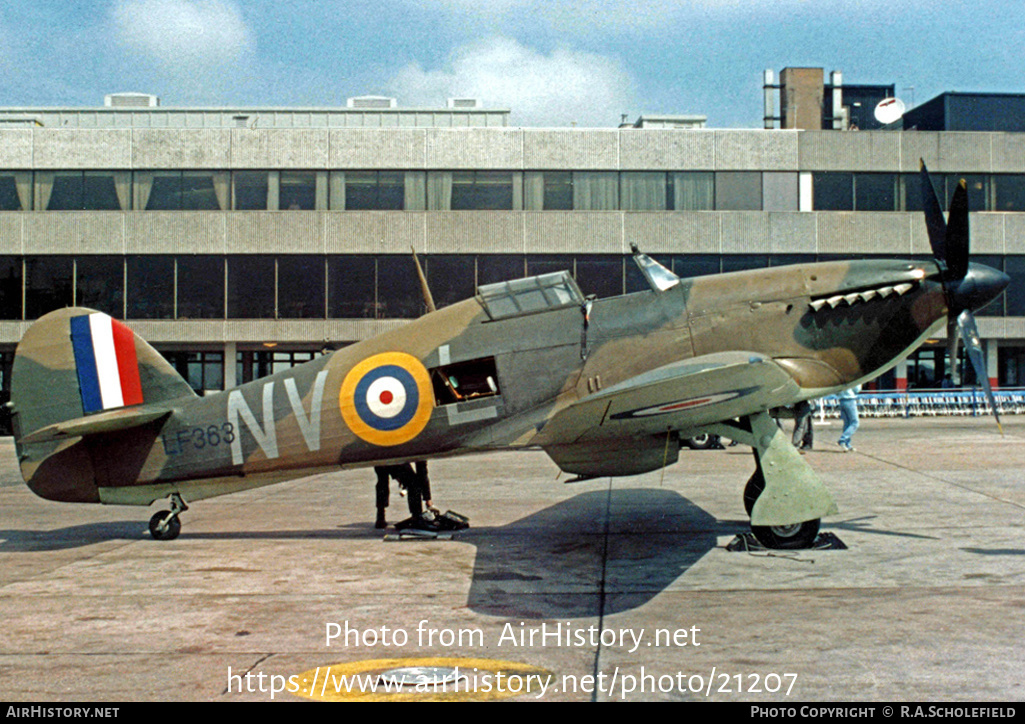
{"x":981,"y":285}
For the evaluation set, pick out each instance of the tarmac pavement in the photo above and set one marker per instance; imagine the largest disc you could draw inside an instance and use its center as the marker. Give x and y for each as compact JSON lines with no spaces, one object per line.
{"x":610,"y":589}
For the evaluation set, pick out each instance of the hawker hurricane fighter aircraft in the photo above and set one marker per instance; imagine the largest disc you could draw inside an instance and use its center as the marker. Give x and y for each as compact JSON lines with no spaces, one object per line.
{"x":606,"y":387}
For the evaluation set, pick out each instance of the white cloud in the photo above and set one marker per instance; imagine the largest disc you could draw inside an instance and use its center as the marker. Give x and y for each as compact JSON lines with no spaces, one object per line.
{"x":183,"y":34}
{"x":557,"y":89}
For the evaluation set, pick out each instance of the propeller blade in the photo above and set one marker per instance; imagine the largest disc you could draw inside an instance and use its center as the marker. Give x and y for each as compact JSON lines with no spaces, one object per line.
{"x":934,"y":222}
{"x":953,"y":337}
{"x":956,"y":241}
{"x":973,"y":346}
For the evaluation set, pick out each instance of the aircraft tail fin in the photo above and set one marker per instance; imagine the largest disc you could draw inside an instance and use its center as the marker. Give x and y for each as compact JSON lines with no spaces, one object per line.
{"x":80,"y":371}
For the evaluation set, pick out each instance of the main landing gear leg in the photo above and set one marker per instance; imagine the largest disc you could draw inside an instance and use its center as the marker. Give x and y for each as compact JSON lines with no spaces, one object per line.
{"x":784,"y":497}
{"x":165,"y":525}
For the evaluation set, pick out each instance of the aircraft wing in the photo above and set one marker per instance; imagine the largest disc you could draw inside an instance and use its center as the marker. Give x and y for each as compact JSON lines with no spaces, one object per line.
{"x":625,"y":427}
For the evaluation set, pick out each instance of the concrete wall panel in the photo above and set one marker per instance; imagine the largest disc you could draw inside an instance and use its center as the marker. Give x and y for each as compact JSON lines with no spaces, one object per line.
{"x":274,"y":232}
{"x":965,"y":153}
{"x":571,"y":150}
{"x":371,"y":232}
{"x":474,"y":148}
{"x":279,"y":148}
{"x":683,"y":232}
{"x":596,"y":232}
{"x":11,"y":232}
{"x":170,"y":232}
{"x":917,"y":146}
{"x":847,"y":232}
{"x":744,"y":232}
{"x":460,"y":233}
{"x":1014,"y":233}
{"x":377,"y":149}
{"x":16,"y":148}
{"x":95,"y":232}
{"x":669,"y":150}
{"x":756,"y":150}
{"x":181,"y":149}
{"x":792,"y":233}
{"x":849,"y":151}
{"x":987,"y":233}
{"x":73,"y":149}
{"x":1008,"y":152}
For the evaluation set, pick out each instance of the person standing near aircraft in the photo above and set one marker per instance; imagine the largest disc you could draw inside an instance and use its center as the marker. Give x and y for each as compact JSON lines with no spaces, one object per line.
{"x":803,"y":437}
{"x":417,"y":484}
{"x":849,"y":415}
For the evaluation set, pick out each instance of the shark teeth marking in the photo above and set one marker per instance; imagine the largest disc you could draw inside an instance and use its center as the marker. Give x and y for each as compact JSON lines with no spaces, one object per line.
{"x":865,"y":295}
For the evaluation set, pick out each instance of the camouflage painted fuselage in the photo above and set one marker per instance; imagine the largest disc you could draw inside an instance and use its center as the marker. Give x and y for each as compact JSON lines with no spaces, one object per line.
{"x":458,"y":381}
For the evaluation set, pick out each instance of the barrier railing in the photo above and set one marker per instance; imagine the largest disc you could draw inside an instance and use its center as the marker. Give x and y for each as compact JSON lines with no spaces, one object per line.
{"x":920,"y":403}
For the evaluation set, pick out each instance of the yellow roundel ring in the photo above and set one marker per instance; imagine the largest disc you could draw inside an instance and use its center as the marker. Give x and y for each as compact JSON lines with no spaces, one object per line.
{"x":387,"y":399}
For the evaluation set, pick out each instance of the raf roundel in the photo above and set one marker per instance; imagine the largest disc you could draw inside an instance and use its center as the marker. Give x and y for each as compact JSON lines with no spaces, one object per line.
{"x":387,"y":399}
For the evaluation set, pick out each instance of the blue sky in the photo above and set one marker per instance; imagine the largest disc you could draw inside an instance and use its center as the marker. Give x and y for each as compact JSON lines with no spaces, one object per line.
{"x":552,"y":63}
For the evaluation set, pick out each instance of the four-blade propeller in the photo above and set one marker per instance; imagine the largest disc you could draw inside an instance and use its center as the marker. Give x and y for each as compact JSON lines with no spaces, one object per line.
{"x":965,"y":285}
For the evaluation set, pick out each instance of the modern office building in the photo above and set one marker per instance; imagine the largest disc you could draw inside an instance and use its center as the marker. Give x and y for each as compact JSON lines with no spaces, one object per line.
{"x":239,"y":241}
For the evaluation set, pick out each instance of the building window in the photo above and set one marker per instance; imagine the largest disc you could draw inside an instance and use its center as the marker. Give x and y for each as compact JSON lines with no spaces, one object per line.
{"x":738,"y":191}
{"x":875,"y":192}
{"x":1009,"y":192}
{"x":251,"y":286}
{"x":149,"y":293}
{"x":373,"y":190}
{"x":282,"y":360}
{"x":398,"y":293}
{"x":451,"y":277}
{"x":100,"y":283}
{"x":352,"y":286}
{"x":251,"y":190}
{"x":481,"y":191}
{"x":83,"y":190}
{"x":301,"y":292}
{"x":204,"y":371}
{"x":493,"y":268}
{"x":833,"y":191}
{"x":595,"y":190}
{"x":10,"y":287}
{"x":642,"y":191}
{"x":200,"y":287}
{"x":600,"y":274}
{"x":181,"y":190}
{"x":48,"y":284}
{"x":692,"y":190}
{"x":298,"y":191}
{"x":16,"y":191}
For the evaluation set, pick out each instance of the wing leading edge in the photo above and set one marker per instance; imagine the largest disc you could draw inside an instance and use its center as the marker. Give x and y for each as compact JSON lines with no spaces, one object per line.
{"x":626,"y":429}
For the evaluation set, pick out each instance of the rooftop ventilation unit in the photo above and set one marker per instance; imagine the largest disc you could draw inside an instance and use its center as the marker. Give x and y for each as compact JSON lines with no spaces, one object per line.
{"x":463,"y":103}
{"x":371,"y":102}
{"x":131,"y":100}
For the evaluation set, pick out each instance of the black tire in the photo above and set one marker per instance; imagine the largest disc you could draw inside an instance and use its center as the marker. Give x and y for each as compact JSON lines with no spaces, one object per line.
{"x":755,"y":486}
{"x":787,"y":537}
{"x":164,"y":525}
{"x":704,"y":441}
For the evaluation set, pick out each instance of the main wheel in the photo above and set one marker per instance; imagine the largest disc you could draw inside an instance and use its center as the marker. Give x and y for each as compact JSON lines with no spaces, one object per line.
{"x":789,"y":537}
{"x":165,"y":525}
{"x":704,"y":441}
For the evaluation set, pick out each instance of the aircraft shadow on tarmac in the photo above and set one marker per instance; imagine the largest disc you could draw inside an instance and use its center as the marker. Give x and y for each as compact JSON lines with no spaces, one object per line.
{"x":598,"y":552}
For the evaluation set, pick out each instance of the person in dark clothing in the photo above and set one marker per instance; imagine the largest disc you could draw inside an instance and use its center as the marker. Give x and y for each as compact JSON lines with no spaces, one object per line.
{"x":416,"y":482}
{"x":803,"y":433}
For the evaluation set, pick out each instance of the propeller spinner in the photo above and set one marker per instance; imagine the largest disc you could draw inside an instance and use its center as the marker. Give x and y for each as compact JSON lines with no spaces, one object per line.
{"x":966,"y":286}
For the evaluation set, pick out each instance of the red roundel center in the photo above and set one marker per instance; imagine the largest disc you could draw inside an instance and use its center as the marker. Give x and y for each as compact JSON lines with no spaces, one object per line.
{"x":387,"y":397}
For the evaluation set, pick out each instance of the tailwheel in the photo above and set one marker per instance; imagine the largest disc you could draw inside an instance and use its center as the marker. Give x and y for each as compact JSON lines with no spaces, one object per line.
{"x":789,"y":537}
{"x":165,"y":525}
